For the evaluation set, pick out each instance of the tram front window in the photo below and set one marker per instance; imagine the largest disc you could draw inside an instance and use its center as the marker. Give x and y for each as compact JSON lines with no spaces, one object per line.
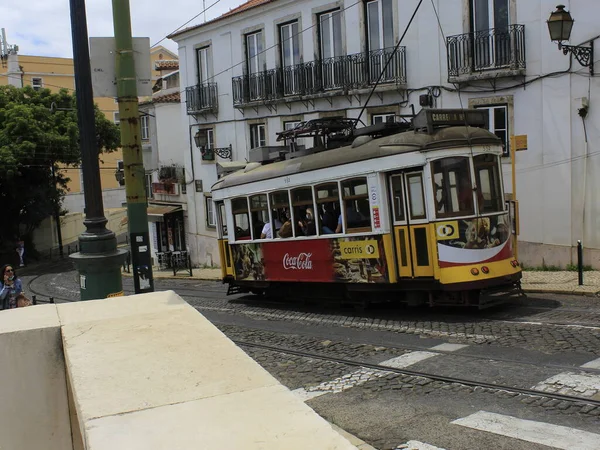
{"x":259,"y":212}
{"x":239,"y":208}
{"x":356,"y":205}
{"x":487,"y":177}
{"x":452,"y":187}
{"x":327,"y":197}
{"x":281,"y":217}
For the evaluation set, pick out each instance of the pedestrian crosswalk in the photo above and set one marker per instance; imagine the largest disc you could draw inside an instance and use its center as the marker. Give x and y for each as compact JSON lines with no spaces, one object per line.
{"x":582,"y":383}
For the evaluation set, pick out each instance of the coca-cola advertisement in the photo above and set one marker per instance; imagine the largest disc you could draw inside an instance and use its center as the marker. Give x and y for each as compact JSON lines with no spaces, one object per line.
{"x":359,"y":259}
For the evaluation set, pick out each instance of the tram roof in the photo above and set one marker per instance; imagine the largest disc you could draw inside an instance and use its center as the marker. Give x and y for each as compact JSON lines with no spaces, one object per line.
{"x":362,"y":149}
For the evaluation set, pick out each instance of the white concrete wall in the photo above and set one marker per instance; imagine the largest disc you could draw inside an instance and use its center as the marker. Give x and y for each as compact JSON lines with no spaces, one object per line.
{"x":111,"y":198}
{"x":33,"y":393}
{"x":556,"y":185}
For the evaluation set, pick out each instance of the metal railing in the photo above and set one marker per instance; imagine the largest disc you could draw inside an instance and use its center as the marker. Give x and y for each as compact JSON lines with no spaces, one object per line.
{"x":498,"y":48}
{"x":202,"y":98}
{"x":343,"y":73}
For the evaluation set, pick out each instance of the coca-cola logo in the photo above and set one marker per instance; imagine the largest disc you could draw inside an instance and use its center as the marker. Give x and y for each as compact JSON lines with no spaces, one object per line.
{"x":300,"y":262}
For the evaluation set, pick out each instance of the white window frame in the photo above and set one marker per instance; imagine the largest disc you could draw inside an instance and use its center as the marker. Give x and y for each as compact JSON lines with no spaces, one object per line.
{"x":492,"y":124}
{"x":37,"y":83}
{"x":385,"y":117}
{"x":380,"y":25}
{"x":148,"y":185}
{"x":209,"y":207}
{"x":145,"y":127}
{"x":329,"y":17}
{"x":254,"y":62}
{"x":257,"y":141}
{"x":288,"y":46}
{"x":210,"y":138}
{"x":116,"y":118}
{"x":203,"y":64}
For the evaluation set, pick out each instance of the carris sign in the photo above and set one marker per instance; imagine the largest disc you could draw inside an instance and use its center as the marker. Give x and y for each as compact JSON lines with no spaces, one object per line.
{"x":300,"y":262}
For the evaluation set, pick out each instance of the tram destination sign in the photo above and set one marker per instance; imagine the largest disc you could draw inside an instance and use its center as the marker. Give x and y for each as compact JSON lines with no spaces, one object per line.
{"x":435,"y":118}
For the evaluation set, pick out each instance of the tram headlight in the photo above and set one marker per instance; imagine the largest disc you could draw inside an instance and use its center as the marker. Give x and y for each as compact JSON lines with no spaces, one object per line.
{"x":514,"y":263}
{"x":474,"y":271}
{"x":485,"y":269}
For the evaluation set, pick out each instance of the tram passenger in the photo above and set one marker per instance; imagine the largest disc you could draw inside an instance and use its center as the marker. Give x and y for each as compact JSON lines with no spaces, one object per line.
{"x":307,"y":225}
{"x":286,"y":229}
{"x":267,"y":232}
{"x":328,"y":219}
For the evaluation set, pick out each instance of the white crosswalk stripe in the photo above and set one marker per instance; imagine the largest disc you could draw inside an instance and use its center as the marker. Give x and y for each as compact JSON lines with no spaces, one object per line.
{"x":416,"y":445}
{"x":555,"y":436}
{"x":595,"y":364}
{"x":569,"y":383}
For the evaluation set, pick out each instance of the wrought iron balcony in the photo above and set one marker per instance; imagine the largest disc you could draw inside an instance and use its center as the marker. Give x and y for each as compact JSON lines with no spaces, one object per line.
{"x":341,"y":73}
{"x":202,"y":98}
{"x":481,"y":51}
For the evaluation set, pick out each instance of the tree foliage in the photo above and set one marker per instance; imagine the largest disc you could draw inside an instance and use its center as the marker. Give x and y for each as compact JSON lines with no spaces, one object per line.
{"x":39,"y":132}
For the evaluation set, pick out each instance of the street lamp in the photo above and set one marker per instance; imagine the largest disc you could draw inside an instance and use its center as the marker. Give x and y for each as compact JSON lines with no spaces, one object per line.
{"x":201,"y":140}
{"x":560,"y":25}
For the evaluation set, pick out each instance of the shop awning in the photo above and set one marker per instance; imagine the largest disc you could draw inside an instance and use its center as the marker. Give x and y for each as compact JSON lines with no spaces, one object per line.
{"x":161,"y":210}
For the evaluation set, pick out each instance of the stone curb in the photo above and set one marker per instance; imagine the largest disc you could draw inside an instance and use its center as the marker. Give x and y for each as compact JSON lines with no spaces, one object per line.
{"x":560,"y":292}
{"x":175,"y":277}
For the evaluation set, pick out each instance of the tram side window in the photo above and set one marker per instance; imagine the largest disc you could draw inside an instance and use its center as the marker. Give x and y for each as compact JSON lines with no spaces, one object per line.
{"x":304,"y":216}
{"x":327,"y":197}
{"x":222,"y":220}
{"x":259,"y":213}
{"x":356,"y":205}
{"x":280,"y":210}
{"x":239,"y":207}
{"x":487,"y":177}
{"x":452,"y":187}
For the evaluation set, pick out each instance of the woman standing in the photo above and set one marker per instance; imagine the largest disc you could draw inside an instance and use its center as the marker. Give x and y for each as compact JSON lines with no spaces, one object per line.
{"x":10,"y":288}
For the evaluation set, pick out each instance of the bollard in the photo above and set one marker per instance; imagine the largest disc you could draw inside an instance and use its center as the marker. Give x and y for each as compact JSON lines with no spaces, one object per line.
{"x":51,"y":299}
{"x":580,"y":262}
{"x":34,"y":299}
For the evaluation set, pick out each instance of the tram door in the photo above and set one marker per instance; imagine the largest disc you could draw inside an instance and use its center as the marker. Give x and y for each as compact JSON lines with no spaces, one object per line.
{"x":411,"y":226}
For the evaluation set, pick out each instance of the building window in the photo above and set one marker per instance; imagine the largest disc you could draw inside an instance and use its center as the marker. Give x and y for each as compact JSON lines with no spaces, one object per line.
{"x":211,"y":221}
{"x":144,"y":126}
{"x":330,"y":34}
{"x":300,"y":142}
{"x":380,"y":24}
{"x":202,"y":55}
{"x":116,"y":118}
{"x":290,"y":44}
{"x":381,"y":118}
{"x":492,"y":46}
{"x":257,"y":135}
{"x":498,"y":124}
{"x":255,"y":57}
{"x":37,"y":83}
{"x":171,"y":80}
{"x":490,"y":14}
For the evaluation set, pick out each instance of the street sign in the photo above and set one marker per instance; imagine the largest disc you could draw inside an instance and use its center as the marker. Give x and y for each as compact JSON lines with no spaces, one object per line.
{"x":518,"y":142}
{"x":102,"y":61}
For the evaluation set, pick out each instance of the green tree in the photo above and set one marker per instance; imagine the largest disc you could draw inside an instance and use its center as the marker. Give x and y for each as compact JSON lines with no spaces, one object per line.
{"x":39,"y":132}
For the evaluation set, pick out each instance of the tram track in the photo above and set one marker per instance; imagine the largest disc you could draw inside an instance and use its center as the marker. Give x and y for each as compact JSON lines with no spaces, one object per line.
{"x":420,"y":374}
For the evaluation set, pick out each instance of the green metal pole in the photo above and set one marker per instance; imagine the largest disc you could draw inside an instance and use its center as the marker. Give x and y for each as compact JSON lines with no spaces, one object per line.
{"x":131,"y":143}
{"x":99,"y":260}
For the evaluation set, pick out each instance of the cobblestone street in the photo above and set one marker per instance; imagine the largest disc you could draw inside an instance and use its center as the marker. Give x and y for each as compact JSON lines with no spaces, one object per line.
{"x":398,"y":377}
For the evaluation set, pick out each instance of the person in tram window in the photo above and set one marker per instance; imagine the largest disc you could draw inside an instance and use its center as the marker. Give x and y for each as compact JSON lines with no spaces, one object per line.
{"x":307,"y":225}
{"x":267,"y":231}
{"x":328,"y":219}
{"x":286,"y":229}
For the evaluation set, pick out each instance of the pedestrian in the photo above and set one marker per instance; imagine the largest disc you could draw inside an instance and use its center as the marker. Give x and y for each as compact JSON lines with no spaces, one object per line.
{"x":10,"y":287}
{"x":20,"y":248}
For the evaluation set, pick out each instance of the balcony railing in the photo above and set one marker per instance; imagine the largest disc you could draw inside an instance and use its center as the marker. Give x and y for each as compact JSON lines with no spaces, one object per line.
{"x":495,"y":49}
{"x":202,"y":98}
{"x":343,"y":73}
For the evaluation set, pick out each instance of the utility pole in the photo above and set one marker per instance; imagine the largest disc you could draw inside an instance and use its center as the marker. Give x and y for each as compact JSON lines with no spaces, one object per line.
{"x":131,"y":143}
{"x":99,"y":260}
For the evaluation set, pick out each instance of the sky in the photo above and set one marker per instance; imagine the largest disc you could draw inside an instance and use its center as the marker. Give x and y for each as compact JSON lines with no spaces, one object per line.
{"x":43,"y":27}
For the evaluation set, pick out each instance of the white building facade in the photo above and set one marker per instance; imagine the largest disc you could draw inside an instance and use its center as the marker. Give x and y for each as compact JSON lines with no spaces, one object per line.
{"x":267,"y":65}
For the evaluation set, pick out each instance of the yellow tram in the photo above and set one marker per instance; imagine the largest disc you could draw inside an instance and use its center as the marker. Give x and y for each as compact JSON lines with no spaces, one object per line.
{"x":415,"y":216}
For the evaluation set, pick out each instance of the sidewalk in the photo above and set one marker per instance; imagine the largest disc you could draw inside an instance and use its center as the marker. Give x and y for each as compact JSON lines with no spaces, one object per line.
{"x":563,"y":282}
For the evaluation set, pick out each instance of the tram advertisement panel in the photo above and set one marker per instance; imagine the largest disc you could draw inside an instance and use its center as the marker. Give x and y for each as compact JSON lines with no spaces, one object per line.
{"x":346,"y":260}
{"x":481,"y":239}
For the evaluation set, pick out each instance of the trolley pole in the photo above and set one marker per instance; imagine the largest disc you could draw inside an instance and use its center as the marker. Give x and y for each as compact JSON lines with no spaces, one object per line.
{"x":513,"y":157}
{"x":99,"y":260}
{"x":131,"y":143}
